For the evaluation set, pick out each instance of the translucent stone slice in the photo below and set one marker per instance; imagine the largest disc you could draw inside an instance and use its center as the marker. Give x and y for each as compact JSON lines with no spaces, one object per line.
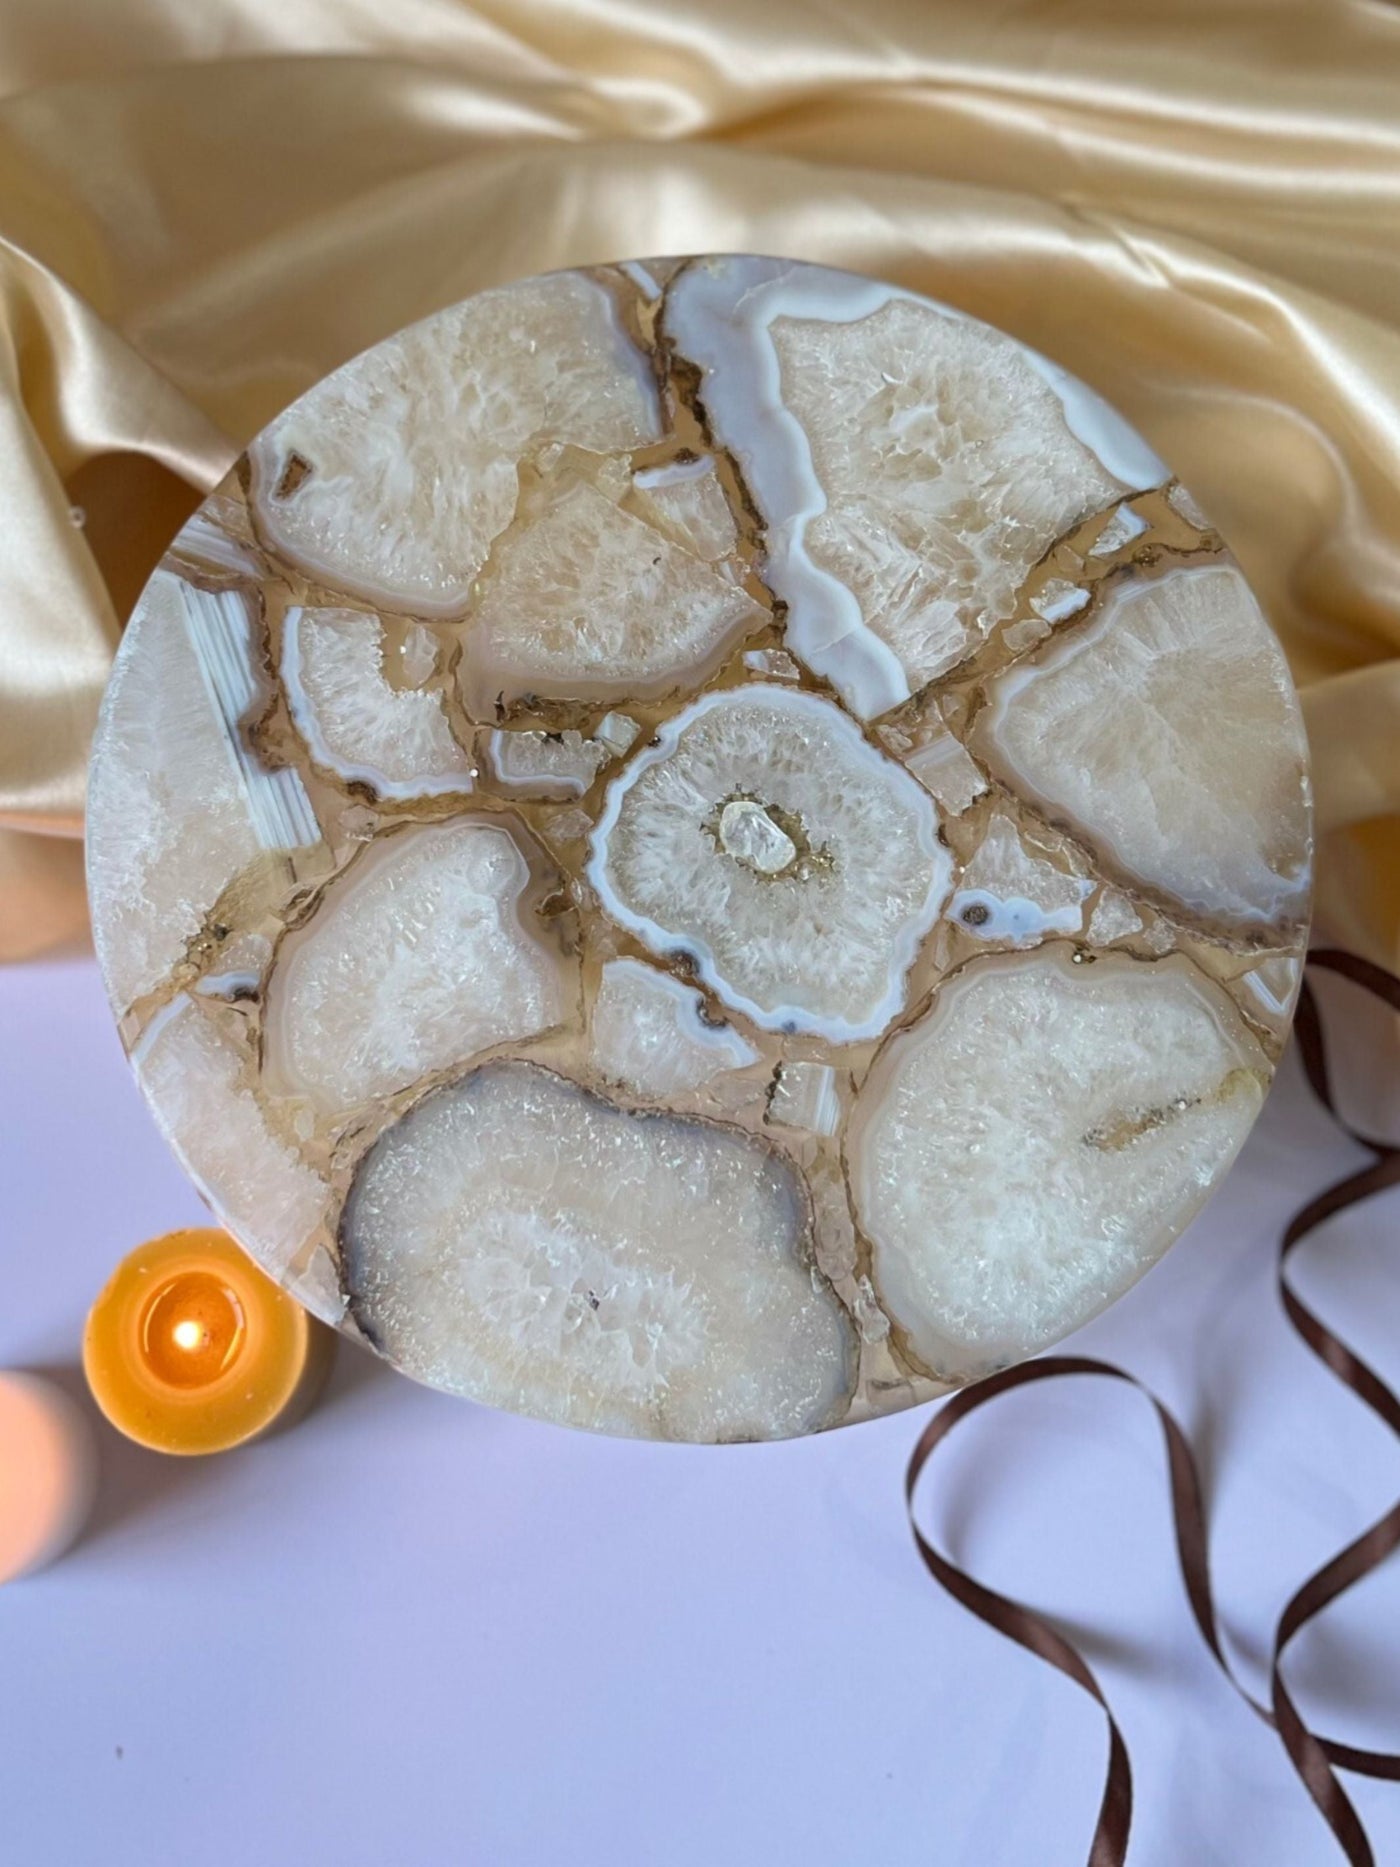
{"x":945,"y":768}
{"x":1159,"y":936}
{"x":391,"y":478}
{"x":774,"y":664}
{"x":1059,"y":599}
{"x":1274,"y":985}
{"x":1167,"y":729}
{"x":644,"y":280}
{"x":1024,"y":1153}
{"x":566,"y":827}
{"x":177,"y":802}
{"x":355,"y":724}
{"x":242,"y":963}
{"x":911,"y":464}
{"x":1122,"y":528}
{"x":590,"y":603}
{"x":256,"y":1183}
{"x":1114,"y":918}
{"x":686,"y":501}
{"x":215,"y":540}
{"x":415,"y":960}
{"x":648,"y":1034}
{"x":753,"y":837}
{"x":418,"y":654}
{"x":805,"y":1096}
{"x":618,"y":732}
{"x":519,"y":1240}
{"x":318,"y":1287}
{"x":546,"y":764}
{"x":1185,"y":502}
{"x":1024,"y":634}
{"x":1007,"y":893}
{"x":824,"y":944}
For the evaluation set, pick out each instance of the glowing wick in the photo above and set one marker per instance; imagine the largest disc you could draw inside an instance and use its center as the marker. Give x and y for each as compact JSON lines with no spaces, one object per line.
{"x":194,"y":1329}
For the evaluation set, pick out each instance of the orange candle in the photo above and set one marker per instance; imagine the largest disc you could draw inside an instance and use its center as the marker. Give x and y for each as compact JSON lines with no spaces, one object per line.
{"x":48,"y":1472}
{"x":191,"y":1349}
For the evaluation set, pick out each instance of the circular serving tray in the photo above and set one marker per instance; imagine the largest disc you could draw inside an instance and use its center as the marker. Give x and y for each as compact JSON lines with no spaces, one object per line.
{"x":703,"y":848}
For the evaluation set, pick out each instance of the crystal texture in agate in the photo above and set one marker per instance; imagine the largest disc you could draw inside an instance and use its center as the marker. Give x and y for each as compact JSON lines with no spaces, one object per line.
{"x":701,"y":849}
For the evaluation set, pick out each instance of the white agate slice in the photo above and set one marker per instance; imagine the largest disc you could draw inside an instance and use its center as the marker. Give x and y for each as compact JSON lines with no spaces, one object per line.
{"x":911,"y":464}
{"x":1274,"y":986}
{"x":391,"y":478}
{"x":945,"y":768}
{"x":685,"y":500}
{"x":805,"y":1096}
{"x":644,"y":280}
{"x":546,"y":764}
{"x":1025,"y":1152}
{"x":318,"y":1287}
{"x":618,"y":732}
{"x":648,"y":1034}
{"x":1059,"y":599}
{"x":1019,"y":636}
{"x":214,"y":541}
{"x":566,"y":827}
{"x":1168,"y":730}
{"x":355,"y":724}
{"x":241,"y":968}
{"x":519,"y":1240}
{"x":418,"y":654}
{"x":1006,"y":893}
{"x":415,"y":960}
{"x":257,"y":1184}
{"x":177,"y":802}
{"x":775,"y":664}
{"x":809,"y":923}
{"x":589,"y":602}
{"x":1186,"y":503}
{"x":1122,"y":528}
{"x":753,"y":837}
{"x":1114,"y":918}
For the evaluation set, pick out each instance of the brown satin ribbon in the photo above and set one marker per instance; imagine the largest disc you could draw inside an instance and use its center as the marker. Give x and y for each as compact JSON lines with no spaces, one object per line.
{"x":1316,"y":1759}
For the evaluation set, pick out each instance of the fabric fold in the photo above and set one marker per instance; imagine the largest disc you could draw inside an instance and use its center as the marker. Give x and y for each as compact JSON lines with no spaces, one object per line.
{"x":1196,"y":212}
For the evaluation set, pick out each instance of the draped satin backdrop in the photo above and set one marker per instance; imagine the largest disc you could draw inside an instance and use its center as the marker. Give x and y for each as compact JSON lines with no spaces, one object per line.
{"x":205,"y":208}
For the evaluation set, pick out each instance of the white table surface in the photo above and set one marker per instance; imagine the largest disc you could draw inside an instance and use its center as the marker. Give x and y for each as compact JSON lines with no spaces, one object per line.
{"x":412,"y":1631}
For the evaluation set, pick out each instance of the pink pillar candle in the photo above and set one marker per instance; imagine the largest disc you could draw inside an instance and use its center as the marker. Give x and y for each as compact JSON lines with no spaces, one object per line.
{"x":48,"y":1472}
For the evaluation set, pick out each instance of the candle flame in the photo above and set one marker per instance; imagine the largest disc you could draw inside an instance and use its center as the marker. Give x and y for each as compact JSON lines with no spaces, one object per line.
{"x":188,"y":1334}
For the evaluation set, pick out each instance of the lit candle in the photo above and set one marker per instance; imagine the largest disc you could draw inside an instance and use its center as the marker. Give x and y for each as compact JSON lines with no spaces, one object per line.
{"x":48,"y":1472}
{"x":191,"y":1349}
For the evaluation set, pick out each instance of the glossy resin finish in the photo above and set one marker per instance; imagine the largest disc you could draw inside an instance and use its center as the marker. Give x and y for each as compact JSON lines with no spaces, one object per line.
{"x":701,"y":849}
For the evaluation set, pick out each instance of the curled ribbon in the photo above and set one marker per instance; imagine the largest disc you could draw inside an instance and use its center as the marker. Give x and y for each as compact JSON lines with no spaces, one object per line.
{"x":1316,"y":1759}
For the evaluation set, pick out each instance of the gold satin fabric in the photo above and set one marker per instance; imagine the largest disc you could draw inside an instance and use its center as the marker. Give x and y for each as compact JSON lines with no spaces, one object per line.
{"x":1195,"y":206}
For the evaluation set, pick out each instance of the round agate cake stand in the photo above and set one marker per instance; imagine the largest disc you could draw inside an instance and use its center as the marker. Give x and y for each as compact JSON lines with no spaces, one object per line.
{"x":703,"y":849}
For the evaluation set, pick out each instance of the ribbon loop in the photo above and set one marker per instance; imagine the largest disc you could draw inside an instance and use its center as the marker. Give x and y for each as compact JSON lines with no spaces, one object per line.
{"x":1315,"y":1759}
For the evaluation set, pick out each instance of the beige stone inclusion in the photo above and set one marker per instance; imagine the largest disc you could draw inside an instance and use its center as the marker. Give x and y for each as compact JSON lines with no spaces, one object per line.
{"x":701,"y":849}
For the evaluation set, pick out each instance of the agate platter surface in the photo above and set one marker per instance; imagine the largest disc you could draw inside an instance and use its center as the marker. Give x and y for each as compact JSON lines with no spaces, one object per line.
{"x":701,"y":849}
